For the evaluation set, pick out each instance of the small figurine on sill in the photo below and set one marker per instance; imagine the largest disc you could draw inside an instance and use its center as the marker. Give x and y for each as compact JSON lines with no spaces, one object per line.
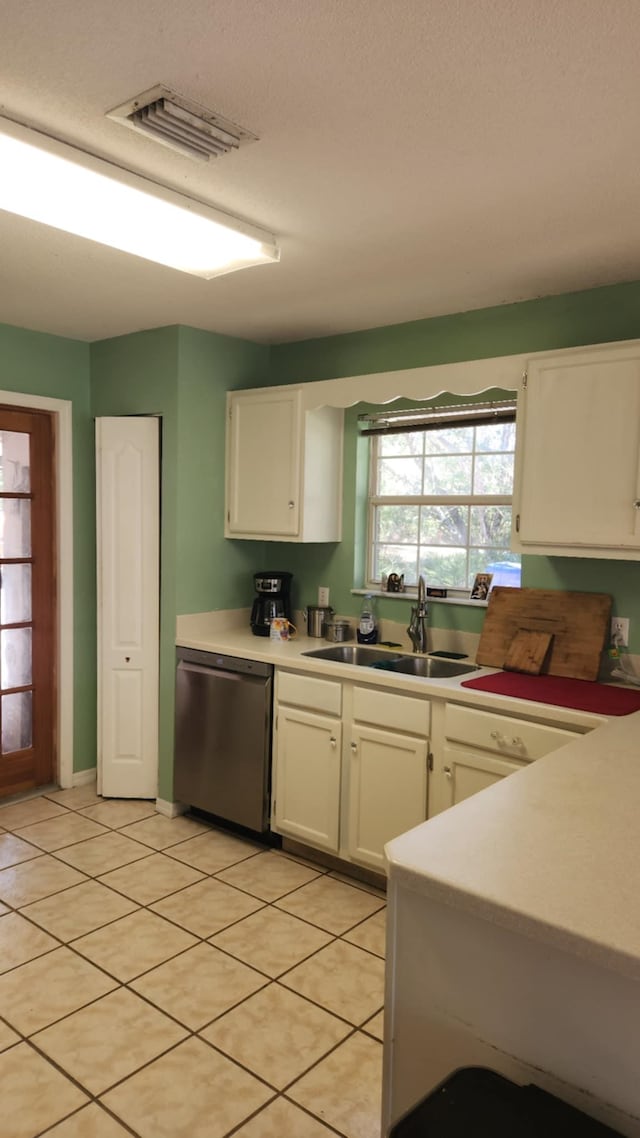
{"x":395,"y":583}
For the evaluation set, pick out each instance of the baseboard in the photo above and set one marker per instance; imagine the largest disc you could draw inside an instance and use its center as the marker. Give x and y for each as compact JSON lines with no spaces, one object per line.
{"x":83,"y":778}
{"x":170,"y":809}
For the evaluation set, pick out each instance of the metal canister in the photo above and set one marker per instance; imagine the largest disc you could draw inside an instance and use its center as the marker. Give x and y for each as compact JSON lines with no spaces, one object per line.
{"x":317,"y":617}
{"x":337,"y":630}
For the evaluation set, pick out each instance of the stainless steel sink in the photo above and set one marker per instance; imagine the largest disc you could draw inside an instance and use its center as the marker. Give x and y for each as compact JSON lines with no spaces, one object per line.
{"x":352,"y":654}
{"x":433,"y":669}
{"x":363,"y":657}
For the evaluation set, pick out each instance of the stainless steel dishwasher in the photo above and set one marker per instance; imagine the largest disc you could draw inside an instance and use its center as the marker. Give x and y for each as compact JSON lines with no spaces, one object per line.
{"x":223,"y":736}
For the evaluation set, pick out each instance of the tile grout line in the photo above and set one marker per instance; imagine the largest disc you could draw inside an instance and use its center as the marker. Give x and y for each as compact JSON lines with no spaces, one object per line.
{"x":269,"y":980}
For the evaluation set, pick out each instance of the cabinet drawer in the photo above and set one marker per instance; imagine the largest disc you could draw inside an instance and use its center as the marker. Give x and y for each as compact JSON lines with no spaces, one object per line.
{"x":309,"y":691}
{"x":395,"y":712}
{"x":503,"y":734}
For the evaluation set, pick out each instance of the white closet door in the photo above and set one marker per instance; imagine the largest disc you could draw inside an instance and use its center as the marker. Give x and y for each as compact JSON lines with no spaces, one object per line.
{"x":128,"y":529}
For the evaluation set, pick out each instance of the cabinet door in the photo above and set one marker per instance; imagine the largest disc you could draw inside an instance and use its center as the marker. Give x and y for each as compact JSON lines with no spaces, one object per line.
{"x":387,"y":791}
{"x":263,"y":464}
{"x":307,"y":777}
{"x":465,"y":772}
{"x":579,"y":449}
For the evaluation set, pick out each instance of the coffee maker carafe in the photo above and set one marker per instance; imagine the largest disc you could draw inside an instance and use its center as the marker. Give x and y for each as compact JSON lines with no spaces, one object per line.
{"x":273,"y":588}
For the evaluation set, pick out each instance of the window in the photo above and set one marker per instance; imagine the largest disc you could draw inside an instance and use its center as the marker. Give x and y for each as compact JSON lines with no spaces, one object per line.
{"x":440,"y":499}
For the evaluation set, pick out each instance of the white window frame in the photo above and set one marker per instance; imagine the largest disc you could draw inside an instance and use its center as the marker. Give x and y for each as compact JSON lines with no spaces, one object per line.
{"x":375,"y":500}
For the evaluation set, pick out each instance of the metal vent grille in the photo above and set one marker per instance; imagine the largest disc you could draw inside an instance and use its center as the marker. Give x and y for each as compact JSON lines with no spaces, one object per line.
{"x":181,"y":124}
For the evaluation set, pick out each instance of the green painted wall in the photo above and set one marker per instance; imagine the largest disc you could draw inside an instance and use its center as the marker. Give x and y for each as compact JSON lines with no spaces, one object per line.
{"x":212,"y":573}
{"x":38,"y":364}
{"x":596,"y":316}
{"x":592,"y":317}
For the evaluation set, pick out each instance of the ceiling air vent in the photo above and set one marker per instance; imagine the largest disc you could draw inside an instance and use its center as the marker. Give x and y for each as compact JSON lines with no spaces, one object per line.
{"x":181,"y":124}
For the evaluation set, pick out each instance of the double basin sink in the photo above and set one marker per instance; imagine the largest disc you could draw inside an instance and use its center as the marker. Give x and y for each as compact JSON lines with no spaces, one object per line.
{"x":430,"y":667}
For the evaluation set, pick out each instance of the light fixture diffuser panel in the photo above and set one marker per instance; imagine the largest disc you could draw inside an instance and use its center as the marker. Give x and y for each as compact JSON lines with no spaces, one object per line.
{"x":55,"y":184}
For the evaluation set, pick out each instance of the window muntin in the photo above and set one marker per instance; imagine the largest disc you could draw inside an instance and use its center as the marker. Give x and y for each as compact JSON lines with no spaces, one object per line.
{"x":440,"y":505}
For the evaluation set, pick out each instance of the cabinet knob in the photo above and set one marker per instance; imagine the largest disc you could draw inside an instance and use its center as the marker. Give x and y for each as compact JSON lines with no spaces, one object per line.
{"x":448,"y":772}
{"x":333,"y":741}
{"x":290,"y":505}
{"x":354,"y":747}
{"x":636,"y":504}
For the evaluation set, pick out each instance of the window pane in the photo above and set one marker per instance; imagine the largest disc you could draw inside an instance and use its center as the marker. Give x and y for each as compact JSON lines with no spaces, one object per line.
{"x":397,"y":523}
{"x":15,"y":657}
{"x":396,"y":559}
{"x":400,"y":444}
{"x":444,"y":525}
{"x":451,"y":475}
{"x":501,"y":562}
{"x":506,"y":568}
{"x":14,"y":461}
{"x":400,"y":476}
{"x":15,"y":527}
{"x":444,"y":566}
{"x":493,"y":474}
{"x":490,"y":525}
{"x":16,"y":722}
{"x":496,"y":437}
{"x":454,"y":440}
{"x":15,"y":593}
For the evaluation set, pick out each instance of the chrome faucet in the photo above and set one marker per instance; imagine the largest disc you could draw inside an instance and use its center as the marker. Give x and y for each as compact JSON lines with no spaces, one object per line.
{"x":418,"y":624}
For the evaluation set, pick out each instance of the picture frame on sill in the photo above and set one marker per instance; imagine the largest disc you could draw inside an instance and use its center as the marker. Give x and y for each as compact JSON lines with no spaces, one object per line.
{"x":481,"y":586}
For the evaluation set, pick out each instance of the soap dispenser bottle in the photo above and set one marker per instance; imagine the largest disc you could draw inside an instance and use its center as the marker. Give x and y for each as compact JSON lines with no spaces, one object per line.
{"x":367,"y":625}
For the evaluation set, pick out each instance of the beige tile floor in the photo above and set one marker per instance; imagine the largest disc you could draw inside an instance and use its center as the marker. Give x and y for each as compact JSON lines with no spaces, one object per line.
{"x":160,"y":978}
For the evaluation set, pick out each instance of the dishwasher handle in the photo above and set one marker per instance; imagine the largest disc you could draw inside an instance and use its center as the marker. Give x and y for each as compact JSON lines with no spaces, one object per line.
{"x":206,"y":671}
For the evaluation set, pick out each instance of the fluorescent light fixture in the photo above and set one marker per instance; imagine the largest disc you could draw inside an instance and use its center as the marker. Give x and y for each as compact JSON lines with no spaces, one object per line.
{"x":47,"y":181}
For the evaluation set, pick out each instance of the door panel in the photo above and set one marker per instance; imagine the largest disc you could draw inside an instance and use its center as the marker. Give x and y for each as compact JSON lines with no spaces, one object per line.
{"x":27,"y":601}
{"x":128,"y":535}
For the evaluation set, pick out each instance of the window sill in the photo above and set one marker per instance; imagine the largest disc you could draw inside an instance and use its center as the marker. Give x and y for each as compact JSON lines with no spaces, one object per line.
{"x":412,"y":598}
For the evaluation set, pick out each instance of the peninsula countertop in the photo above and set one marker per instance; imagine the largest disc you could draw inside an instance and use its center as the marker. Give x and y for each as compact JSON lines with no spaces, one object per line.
{"x":552,"y":853}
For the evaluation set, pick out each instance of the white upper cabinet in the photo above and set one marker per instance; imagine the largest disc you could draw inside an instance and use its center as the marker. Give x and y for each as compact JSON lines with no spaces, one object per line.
{"x":284,"y":467}
{"x":577,"y":485}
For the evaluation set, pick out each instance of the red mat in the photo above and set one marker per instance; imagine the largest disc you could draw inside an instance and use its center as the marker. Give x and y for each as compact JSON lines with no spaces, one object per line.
{"x":582,"y":695}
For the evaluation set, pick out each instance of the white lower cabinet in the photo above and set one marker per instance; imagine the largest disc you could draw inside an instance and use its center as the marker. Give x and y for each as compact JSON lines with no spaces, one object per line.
{"x":387,"y":791}
{"x":466,"y":772}
{"x":308,"y":766}
{"x":357,"y":765}
{"x":350,"y":766}
{"x":480,"y":747}
{"x":307,"y":760}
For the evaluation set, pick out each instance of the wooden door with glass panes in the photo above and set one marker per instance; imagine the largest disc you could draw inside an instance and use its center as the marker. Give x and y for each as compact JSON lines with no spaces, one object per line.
{"x":27,"y":601}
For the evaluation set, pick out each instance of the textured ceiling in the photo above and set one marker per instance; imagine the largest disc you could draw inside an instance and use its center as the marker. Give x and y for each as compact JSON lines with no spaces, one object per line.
{"x":416,"y":157}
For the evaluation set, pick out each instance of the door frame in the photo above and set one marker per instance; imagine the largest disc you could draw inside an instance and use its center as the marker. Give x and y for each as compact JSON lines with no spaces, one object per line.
{"x":61,"y":412}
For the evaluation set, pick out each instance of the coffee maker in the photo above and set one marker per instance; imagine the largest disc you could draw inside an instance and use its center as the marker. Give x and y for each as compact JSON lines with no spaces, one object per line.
{"x":273,"y":588}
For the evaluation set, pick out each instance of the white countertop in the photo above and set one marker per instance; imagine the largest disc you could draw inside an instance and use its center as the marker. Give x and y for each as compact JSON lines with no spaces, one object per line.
{"x":553,"y":852}
{"x":207,"y":632}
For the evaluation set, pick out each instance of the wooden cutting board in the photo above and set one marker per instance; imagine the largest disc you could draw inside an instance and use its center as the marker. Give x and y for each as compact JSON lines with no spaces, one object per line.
{"x":577,"y":622}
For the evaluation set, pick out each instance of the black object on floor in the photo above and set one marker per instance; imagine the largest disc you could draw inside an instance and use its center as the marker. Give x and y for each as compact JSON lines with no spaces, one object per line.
{"x":474,"y":1102}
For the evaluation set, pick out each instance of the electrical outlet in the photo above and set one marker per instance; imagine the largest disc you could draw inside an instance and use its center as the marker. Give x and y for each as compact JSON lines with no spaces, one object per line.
{"x":620,"y":631}
{"x":323,"y":595}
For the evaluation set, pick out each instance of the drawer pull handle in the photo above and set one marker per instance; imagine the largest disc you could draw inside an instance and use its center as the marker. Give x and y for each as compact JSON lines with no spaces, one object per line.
{"x":516,"y":743}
